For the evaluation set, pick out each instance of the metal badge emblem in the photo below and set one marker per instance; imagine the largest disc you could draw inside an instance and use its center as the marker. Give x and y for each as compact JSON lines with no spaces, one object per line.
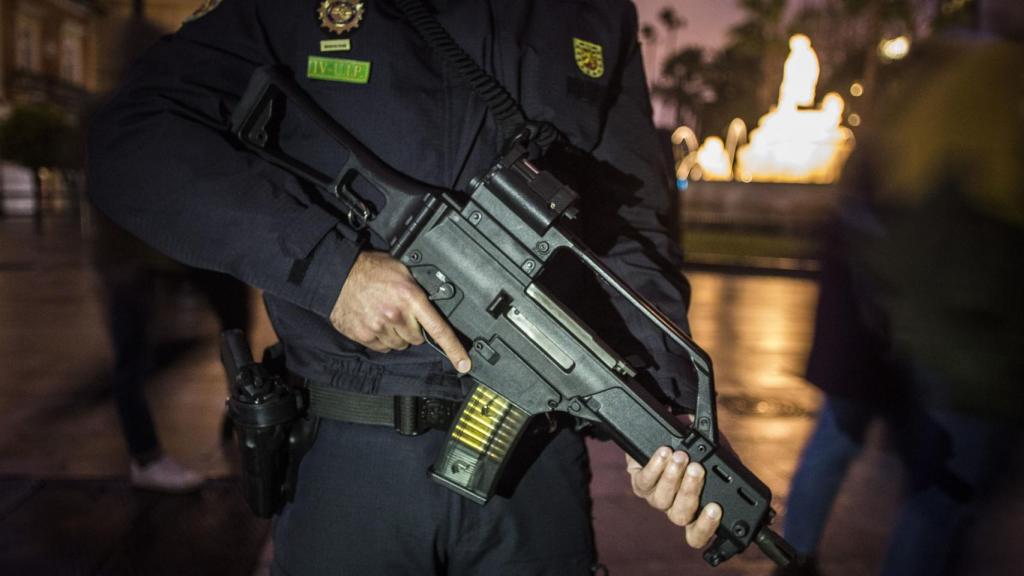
{"x":340,"y":16}
{"x":205,"y":8}
{"x":589,"y":57}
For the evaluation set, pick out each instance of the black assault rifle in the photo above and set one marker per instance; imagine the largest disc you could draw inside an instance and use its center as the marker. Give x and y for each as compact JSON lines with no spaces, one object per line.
{"x":477,"y":261}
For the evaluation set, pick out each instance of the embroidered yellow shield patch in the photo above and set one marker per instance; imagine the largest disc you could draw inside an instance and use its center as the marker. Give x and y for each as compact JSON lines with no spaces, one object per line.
{"x":589,"y":57}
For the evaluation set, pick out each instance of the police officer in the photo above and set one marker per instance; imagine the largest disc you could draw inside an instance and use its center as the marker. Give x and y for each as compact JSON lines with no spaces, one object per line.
{"x":348,"y":315}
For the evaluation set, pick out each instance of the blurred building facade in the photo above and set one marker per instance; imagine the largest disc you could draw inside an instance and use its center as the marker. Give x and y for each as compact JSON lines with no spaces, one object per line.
{"x":48,"y":52}
{"x":58,"y":60}
{"x":61,"y":51}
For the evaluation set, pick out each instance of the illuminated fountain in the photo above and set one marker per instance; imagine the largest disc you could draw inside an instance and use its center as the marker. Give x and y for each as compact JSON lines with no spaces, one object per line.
{"x":795,"y":142}
{"x":712,"y":160}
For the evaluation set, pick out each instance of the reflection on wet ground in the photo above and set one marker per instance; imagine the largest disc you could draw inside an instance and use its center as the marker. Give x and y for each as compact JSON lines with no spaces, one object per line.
{"x":756,"y":328}
{"x":57,"y":419}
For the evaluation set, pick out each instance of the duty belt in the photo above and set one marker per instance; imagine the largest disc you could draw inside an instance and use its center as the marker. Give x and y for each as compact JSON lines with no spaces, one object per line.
{"x":408,"y":415}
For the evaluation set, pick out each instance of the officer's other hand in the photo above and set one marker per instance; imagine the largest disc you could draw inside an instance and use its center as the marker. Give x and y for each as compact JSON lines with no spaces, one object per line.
{"x":671,"y":483}
{"x":382,"y":307}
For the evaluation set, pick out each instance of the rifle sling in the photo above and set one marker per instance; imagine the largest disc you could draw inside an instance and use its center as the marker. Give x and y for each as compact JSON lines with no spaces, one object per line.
{"x":508,"y":115}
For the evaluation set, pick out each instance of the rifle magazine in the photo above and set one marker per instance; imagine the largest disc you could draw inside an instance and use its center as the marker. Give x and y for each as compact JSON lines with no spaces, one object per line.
{"x":479,"y":443}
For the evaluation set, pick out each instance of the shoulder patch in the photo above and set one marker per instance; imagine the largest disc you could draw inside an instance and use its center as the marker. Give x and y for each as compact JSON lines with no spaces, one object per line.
{"x":205,"y":8}
{"x":589,"y":57}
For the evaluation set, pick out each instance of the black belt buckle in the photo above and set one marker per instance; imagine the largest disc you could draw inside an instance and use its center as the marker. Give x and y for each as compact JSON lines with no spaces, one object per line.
{"x":415,"y":415}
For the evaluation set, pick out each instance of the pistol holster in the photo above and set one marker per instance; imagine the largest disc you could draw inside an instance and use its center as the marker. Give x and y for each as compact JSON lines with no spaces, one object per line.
{"x":273,"y":428}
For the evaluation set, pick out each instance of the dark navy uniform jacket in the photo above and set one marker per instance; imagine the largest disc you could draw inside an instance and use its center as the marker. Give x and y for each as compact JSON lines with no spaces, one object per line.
{"x":164,"y":166}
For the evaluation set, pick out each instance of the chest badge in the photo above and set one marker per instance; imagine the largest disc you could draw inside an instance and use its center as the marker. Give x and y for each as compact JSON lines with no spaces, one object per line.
{"x":340,"y":16}
{"x":589,"y":57}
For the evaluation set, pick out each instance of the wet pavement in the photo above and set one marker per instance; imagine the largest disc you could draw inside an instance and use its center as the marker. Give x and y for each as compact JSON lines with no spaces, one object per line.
{"x":59,"y":436}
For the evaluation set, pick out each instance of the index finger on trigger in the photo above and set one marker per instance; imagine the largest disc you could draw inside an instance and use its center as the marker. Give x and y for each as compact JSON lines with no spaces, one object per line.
{"x":442,"y":334}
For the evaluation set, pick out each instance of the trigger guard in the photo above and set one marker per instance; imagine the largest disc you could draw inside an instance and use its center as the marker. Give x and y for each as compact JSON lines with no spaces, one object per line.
{"x":427,"y":339}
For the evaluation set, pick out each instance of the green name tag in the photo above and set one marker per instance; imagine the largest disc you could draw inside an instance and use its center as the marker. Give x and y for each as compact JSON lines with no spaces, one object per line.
{"x":338,"y":70}
{"x":341,"y":45}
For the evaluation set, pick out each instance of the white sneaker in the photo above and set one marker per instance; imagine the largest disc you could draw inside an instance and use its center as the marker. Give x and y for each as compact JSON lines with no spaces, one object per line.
{"x":165,"y":475}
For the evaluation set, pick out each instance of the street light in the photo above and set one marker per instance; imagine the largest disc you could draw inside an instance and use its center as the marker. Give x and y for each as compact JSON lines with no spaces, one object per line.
{"x":894,"y":48}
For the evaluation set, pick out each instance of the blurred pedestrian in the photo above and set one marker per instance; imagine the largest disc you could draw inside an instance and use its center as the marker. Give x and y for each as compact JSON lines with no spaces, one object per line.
{"x":128,"y":272}
{"x":851,"y":362}
{"x":934,"y":271}
{"x":131,"y":275}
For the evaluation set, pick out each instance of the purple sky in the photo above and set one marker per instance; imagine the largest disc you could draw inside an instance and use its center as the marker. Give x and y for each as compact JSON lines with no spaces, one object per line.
{"x":707,"y":20}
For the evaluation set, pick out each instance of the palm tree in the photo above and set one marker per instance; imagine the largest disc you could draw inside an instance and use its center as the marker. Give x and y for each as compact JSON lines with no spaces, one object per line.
{"x":684,"y":85}
{"x":649,"y":35}
{"x":672,"y":22}
{"x":846,"y":36}
{"x":762,"y":35}
{"x":744,"y":76}
{"x":878,"y":16}
{"x":734,"y":79}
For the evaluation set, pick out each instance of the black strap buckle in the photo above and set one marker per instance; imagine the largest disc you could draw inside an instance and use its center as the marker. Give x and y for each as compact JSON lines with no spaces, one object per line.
{"x":415,"y":415}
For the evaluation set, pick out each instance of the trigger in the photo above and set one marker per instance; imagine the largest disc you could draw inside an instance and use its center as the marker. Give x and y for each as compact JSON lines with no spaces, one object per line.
{"x":429,"y":340}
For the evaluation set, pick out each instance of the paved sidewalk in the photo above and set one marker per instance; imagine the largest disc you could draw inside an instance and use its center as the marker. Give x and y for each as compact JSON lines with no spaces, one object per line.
{"x":103,"y":526}
{"x":65,"y":506}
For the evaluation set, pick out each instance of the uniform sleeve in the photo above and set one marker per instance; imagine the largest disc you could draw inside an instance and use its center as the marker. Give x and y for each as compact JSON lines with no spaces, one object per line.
{"x":644,"y":252}
{"x":163,"y":166}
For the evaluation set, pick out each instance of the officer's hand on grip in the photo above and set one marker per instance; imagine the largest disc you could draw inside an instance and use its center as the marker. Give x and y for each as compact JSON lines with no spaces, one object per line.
{"x":382,"y":308}
{"x":670,"y":483}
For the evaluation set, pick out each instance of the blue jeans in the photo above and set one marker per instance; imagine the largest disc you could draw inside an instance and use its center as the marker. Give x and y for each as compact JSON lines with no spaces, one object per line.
{"x":837,"y":439}
{"x":950,"y":460}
